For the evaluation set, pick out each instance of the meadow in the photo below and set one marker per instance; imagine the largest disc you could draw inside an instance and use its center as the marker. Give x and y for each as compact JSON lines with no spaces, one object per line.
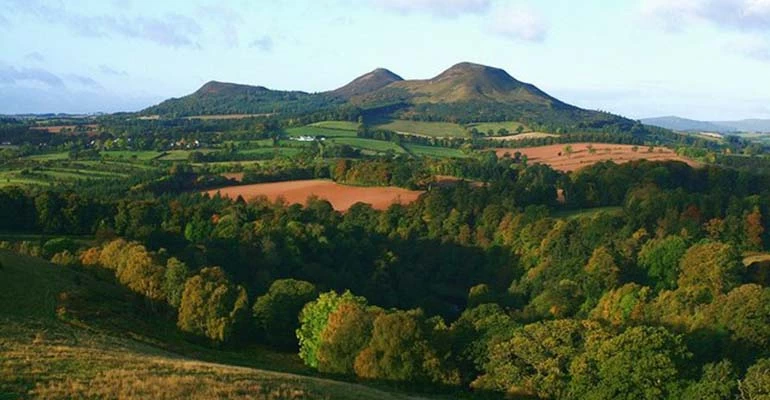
{"x":431,"y":129}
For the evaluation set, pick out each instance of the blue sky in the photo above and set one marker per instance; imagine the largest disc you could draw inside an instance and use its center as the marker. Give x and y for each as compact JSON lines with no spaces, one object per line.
{"x":705,"y":59}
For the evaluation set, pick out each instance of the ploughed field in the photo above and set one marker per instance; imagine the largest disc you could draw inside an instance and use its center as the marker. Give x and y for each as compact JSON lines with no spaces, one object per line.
{"x":341,"y":197}
{"x":581,"y":156}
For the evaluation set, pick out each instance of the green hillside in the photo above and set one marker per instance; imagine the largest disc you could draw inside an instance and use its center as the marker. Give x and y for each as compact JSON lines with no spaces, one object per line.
{"x":47,"y":358}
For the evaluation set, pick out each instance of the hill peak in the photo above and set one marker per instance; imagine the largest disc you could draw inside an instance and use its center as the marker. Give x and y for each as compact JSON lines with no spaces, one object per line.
{"x":467,"y":70}
{"x":217,"y":87}
{"x":367,"y":83}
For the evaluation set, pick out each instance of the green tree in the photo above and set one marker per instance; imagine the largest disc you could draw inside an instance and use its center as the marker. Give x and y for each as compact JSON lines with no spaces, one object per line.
{"x":660,"y":259}
{"x":211,"y":306}
{"x":756,"y":384}
{"x":275,"y":313}
{"x":640,"y":363}
{"x":174,"y":279}
{"x":718,"y":382}
{"x":313,"y":320}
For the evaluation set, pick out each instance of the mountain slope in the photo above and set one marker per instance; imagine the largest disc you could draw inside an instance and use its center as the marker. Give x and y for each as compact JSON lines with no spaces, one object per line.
{"x":231,"y":98}
{"x":367,"y":83}
{"x":464,"y":93}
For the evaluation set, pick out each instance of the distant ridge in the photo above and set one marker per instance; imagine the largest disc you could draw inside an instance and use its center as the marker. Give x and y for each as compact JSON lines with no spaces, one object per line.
{"x":690,"y":125}
{"x":464,"y":93}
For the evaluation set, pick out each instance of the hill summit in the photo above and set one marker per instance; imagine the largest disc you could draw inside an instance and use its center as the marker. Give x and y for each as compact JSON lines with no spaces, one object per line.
{"x":367,"y":83}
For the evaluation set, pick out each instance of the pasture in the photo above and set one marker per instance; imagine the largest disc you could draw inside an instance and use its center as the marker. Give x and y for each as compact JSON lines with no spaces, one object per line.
{"x":341,"y":197}
{"x":509,"y":126}
{"x":419,"y":128}
{"x":559,"y":158}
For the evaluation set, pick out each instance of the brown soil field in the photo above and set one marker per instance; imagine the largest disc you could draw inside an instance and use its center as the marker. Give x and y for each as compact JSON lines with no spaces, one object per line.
{"x":557,"y":158}
{"x":522,"y":136}
{"x":342,"y":197}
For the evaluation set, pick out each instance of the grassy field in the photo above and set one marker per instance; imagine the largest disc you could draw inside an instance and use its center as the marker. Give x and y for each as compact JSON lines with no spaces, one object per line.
{"x":587,"y":212}
{"x":49,"y":156}
{"x":44,"y":357}
{"x":510,"y":126}
{"x":434,"y":129}
{"x":127,"y":154}
{"x":435,"y":152}
{"x":314,"y":131}
{"x":338,"y":125}
{"x":378,"y":146}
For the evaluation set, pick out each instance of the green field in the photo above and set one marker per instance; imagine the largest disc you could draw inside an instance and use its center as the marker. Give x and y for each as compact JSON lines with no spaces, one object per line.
{"x":433,"y":151}
{"x":433,"y":129}
{"x":510,"y":126}
{"x":379,"y":146}
{"x":338,"y":125}
{"x":49,"y":156}
{"x":104,"y":348}
{"x":587,"y":212}
{"x":314,"y":131}
{"x":127,"y":154}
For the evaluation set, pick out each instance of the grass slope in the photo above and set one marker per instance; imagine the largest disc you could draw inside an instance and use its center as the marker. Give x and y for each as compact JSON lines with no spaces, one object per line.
{"x":44,"y":357}
{"x":433,"y":129}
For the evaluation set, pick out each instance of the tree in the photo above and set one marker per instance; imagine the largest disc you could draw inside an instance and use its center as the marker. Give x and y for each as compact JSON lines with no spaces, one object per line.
{"x":211,"y":306}
{"x":640,"y":363}
{"x":275,"y":313}
{"x":174,"y":279}
{"x":347,"y":333}
{"x":313,"y":320}
{"x":568,"y":150}
{"x":535,"y":361}
{"x":708,"y":270}
{"x":660,"y":259}
{"x":623,"y":305}
{"x":718,"y":382}
{"x":754,"y":230}
{"x":756,"y":384}
{"x":398,"y":350}
{"x":601,"y":274}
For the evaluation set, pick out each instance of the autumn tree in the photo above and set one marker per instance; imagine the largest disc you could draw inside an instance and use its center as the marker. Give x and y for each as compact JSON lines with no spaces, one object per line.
{"x":175,"y":276}
{"x":314,"y":318}
{"x":212,"y":306}
{"x":347,"y":332}
{"x":754,"y":230}
{"x":709,"y":269}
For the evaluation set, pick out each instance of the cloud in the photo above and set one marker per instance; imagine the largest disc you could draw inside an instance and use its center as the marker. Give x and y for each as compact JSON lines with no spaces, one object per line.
{"x":84,"y":81}
{"x":172,"y":29}
{"x":265,"y":43}
{"x":107,"y":70}
{"x":438,"y":8}
{"x":14,"y":76}
{"x":519,"y":23}
{"x":751,"y":46}
{"x":226,"y":19}
{"x":741,"y":15}
{"x":35,"y":56}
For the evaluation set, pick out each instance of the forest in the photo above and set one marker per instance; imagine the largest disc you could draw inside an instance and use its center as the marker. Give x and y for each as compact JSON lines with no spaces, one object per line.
{"x":635,"y":281}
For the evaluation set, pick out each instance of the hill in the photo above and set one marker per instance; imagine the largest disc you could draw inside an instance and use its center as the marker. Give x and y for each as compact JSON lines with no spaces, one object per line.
{"x":464,"y":93}
{"x":367,"y":83}
{"x":48,"y":358}
{"x":690,"y":125}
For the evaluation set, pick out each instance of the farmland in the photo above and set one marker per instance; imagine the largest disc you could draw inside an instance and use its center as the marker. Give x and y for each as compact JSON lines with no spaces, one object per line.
{"x":432,"y":129}
{"x":342,"y":197}
{"x":586,"y":154}
{"x":510,"y":126}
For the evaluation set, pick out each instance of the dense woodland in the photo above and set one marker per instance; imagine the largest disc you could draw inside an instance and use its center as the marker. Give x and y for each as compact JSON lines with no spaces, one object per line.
{"x":493,"y":285}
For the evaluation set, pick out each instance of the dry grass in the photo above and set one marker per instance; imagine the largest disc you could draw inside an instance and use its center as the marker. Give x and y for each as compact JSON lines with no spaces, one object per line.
{"x":56,"y":361}
{"x":522,"y":136}
{"x":558,"y":158}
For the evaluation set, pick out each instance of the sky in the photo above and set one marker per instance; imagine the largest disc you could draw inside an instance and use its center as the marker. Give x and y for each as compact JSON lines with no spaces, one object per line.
{"x":701,"y":59}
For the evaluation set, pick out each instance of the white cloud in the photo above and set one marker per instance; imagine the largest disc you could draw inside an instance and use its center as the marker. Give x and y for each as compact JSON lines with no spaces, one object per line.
{"x":751,"y":46}
{"x":35,"y":56}
{"x":438,"y":8}
{"x":520,"y":23}
{"x":743,"y":15}
{"x":107,"y":70}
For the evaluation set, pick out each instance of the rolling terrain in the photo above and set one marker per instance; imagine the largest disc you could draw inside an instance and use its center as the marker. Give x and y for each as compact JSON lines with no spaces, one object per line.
{"x":46,"y":357}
